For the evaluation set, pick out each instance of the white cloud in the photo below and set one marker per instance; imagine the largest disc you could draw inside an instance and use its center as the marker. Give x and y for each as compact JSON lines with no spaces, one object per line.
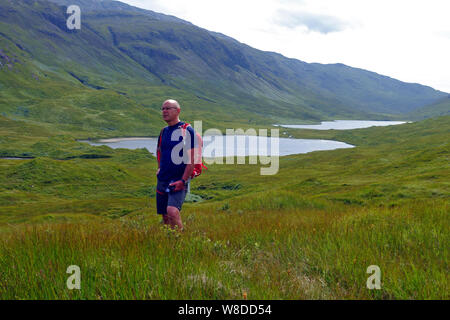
{"x":313,"y":22}
{"x":404,"y":39}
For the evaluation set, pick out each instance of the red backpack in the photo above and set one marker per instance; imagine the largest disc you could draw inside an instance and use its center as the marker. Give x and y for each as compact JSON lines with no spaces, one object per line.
{"x":198,"y":163}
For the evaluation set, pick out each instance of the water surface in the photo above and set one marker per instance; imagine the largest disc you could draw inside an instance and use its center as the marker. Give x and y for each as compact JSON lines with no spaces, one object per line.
{"x":16,"y":158}
{"x":239,"y":145}
{"x":343,"y":124}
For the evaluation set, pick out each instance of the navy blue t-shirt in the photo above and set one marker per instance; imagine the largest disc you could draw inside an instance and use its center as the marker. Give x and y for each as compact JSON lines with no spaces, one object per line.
{"x":172,"y":167}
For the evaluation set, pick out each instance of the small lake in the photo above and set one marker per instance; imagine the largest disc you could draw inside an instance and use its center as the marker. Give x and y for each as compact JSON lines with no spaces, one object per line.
{"x":16,"y":158}
{"x":343,"y":124}
{"x":237,"y":145}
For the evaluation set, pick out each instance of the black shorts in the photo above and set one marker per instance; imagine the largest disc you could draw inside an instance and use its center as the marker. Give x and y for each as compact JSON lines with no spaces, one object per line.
{"x":166,"y":199}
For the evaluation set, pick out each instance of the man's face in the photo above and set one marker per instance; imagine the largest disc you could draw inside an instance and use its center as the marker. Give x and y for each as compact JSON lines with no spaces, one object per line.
{"x":169,"y":112}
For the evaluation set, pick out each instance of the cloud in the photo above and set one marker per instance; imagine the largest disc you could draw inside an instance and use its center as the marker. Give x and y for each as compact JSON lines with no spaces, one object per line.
{"x":443,"y":33}
{"x":154,"y":5}
{"x":313,"y":22}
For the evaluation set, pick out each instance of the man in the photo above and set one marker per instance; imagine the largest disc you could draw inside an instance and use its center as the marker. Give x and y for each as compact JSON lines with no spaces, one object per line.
{"x":176,"y":148}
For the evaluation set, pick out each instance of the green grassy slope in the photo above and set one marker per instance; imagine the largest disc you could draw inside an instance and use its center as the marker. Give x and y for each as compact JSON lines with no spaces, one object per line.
{"x":211,"y":58}
{"x":34,"y":92}
{"x":112,"y":75}
{"x":83,"y":84}
{"x":437,"y":109}
{"x":308,"y":232}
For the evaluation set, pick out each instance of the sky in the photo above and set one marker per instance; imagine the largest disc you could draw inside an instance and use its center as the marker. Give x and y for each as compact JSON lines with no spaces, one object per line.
{"x":408,"y":40}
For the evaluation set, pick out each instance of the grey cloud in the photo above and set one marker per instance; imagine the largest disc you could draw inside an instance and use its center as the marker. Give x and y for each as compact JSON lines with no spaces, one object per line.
{"x":314,"y":22}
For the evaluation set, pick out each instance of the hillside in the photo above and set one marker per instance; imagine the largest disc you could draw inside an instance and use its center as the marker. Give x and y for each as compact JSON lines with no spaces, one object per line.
{"x":216,"y":57}
{"x":438,"y":109}
{"x":109,"y":78}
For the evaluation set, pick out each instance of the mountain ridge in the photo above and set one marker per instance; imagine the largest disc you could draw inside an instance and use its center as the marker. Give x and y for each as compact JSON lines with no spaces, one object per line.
{"x":147,"y":56}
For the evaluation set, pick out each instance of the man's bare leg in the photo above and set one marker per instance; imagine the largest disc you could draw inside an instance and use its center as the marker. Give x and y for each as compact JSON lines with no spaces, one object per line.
{"x":166,"y":219}
{"x":174,"y":218}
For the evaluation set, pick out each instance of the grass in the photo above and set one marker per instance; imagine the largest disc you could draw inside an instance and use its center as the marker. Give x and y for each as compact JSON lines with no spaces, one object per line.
{"x":269,"y":254}
{"x":309,"y":232}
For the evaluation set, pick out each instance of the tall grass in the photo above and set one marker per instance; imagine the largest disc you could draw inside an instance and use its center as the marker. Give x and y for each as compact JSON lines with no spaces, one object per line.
{"x":268,"y":254}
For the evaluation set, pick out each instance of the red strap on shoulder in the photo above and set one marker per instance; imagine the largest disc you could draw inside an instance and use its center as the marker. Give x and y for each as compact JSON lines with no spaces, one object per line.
{"x":184,"y":126}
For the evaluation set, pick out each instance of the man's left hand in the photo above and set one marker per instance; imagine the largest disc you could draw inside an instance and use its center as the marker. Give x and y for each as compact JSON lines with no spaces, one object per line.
{"x":179,"y":185}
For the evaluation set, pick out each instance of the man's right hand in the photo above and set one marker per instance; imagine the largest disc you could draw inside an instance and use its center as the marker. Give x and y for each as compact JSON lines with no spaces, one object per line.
{"x":157,"y":172}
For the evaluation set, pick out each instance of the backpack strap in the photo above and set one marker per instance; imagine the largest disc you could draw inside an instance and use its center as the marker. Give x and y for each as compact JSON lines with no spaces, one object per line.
{"x":184,"y":128}
{"x":198,"y":167}
{"x":183,"y":131}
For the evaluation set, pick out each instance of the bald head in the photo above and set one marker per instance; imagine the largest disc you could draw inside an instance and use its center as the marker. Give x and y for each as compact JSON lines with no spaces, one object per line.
{"x":170,"y":111}
{"x":171,"y":103}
